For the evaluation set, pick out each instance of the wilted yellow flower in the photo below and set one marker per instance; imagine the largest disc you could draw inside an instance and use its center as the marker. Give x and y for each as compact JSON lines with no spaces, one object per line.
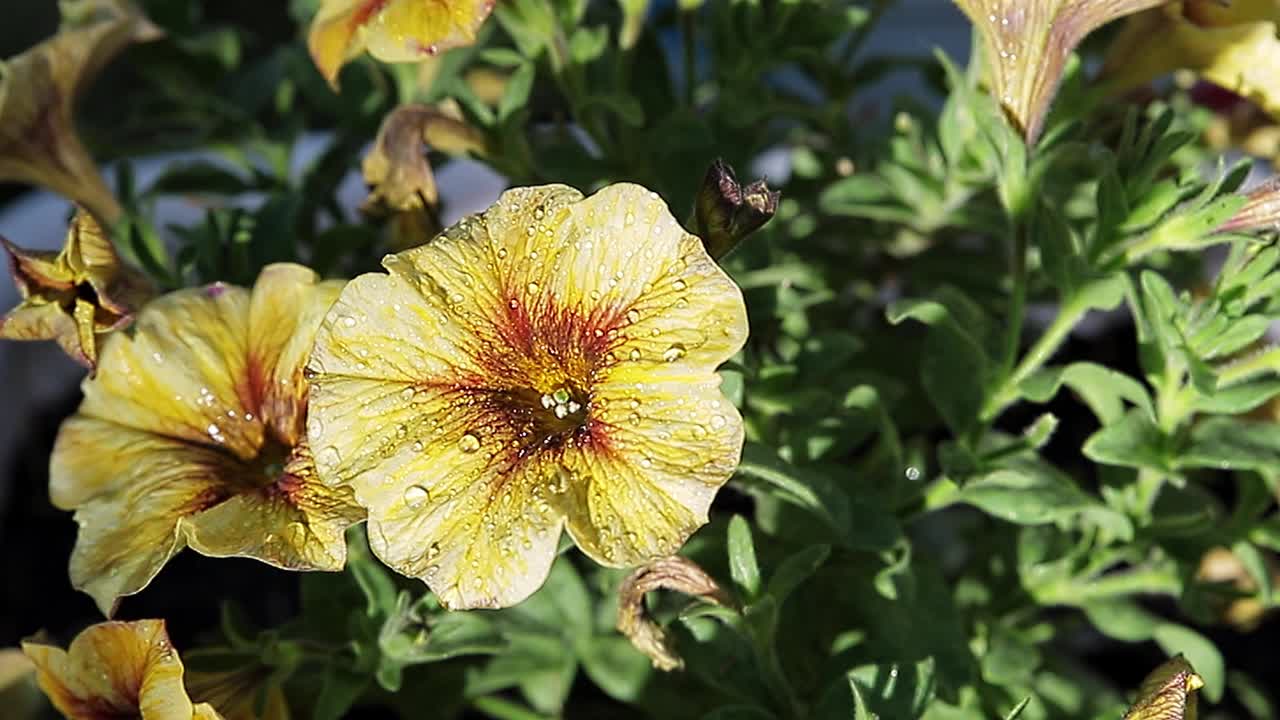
{"x":1168,"y":693}
{"x":192,"y":434}
{"x":74,"y":295}
{"x":547,"y":363}
{"x":391,"y":30}
{"x":1026,"y":43}
{"x":38,"y":89}
{"x":1232,"y":44}
{"x":117,"y":670}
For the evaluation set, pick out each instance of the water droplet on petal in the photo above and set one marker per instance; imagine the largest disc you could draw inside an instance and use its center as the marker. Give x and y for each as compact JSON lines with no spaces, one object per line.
{"x":468,"y":443}
{"x":415,"y":495}
{"x":633,"y":316}
{"x":634,"y":355}
{"x":407,"y":394}
{"x":532,"y":288}
{"x":348,"y":321}
{"x":718,"y":421}
{"x":329,"y":457}
{"x":679,"y":285}
{"x":674,"y":353}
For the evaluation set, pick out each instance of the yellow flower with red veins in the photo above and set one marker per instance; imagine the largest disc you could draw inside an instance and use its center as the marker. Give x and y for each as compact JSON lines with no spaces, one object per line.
{"x":75,"y":295}
{"x":391,"y":30}
{"x":1235,"y":45}
{"x":116,"y":670}
{"x":192,"y":433}
{"x":547,"y":364}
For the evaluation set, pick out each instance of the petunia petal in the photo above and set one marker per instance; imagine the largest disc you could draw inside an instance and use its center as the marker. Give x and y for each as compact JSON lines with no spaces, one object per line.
{"x":448,"y":500}
{"x":671,"y":445}
{"x":130,"y":490}
{"x":296,"y":523}
{"x":286,"y":308}
{"x":392,"y":30}
{"x":182,"y":373}
{"x":114,"y":669}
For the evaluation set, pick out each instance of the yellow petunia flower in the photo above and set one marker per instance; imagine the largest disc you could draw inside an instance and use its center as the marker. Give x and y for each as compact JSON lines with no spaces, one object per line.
{"x":1231,"y":44}
{"x":1026,"y":43}
{"x":549,"y":363}
{"x":117,"y":670}
{"x":192,"y":434}
{"x":38,"y":89}
{"x":75,"y":295}
{"x":391,"y":30}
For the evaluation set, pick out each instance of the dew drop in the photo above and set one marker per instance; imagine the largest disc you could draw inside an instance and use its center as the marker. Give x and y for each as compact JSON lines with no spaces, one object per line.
{"x":329,"y":457}
{"x":434,"y":550}
{"x":532,"y":288}
{"x":415,"y":495}
{"x":407,"y":394}
{"x":634,"y":418}
{"x":634,"y":355}
{"x":468,"y":443}
{"x":348,"y":321}
{"x":679,"y":285}
{"x":633,"y":316}
{"x":718,"y":421}
{"x":674,"y":353}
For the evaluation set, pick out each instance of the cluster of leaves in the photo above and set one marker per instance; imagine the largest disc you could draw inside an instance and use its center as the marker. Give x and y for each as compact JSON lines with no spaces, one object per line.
{"x":923,"y":525}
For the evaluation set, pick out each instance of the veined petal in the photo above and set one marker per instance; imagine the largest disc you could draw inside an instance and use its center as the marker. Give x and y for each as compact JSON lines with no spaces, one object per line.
{"x":672,"y":444}
{"x":392,"y":30}
{"x":235,"y":693}
{"x":115,"y":669}
{"x":182,"y":373}
{"x":287,"y":305}
{"x":296,"y":522}
{"x":35,"y":319}
{"x":130,"y":489}
{"x":1026,"y":44}
{"x":450,"y":499}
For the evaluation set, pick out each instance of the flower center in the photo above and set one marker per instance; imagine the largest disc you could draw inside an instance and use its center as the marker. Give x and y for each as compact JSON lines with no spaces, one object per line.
{"x":547,"y":418}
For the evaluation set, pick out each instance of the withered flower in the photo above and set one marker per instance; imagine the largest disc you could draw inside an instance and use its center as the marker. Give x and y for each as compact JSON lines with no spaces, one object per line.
{"x":38,"y":90}
{"x":74,"y":295}
{"x":726,"y":212}
{"x":1026,"y":43}
{"x":673,"y":573}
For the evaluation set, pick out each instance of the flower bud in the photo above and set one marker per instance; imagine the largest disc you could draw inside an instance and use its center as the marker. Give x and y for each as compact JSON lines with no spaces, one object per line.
{"x":725,"y":212}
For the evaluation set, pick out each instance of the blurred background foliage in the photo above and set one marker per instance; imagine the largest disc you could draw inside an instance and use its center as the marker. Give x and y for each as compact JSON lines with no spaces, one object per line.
{"x":932,"y":529}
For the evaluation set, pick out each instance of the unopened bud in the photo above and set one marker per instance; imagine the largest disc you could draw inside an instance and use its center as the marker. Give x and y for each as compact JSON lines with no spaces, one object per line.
{"x":1261,"y":210}
{"x":726,"y":212}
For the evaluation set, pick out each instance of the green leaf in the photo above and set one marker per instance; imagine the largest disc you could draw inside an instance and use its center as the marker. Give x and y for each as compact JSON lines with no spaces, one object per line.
{"x":860,"y":710}
{"x":516,"y":95}
{"x":1030,"y":497}
{"x":794,"y":570}
{"x":1017,"y":709}
{"x":1231,"y":444}
{"x":339,"y":691}
{"x":1133,"y":441}
{"x":742,"y":558}
{"x":616,"y":668}
{"x":1101,"y":388}
{"x":739,"y":712}
{"x":796,"y":486}
{"x":954,"y":371}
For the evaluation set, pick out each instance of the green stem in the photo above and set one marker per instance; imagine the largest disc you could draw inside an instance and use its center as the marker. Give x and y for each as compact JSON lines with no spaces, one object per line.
{"x":1043,"y":349}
